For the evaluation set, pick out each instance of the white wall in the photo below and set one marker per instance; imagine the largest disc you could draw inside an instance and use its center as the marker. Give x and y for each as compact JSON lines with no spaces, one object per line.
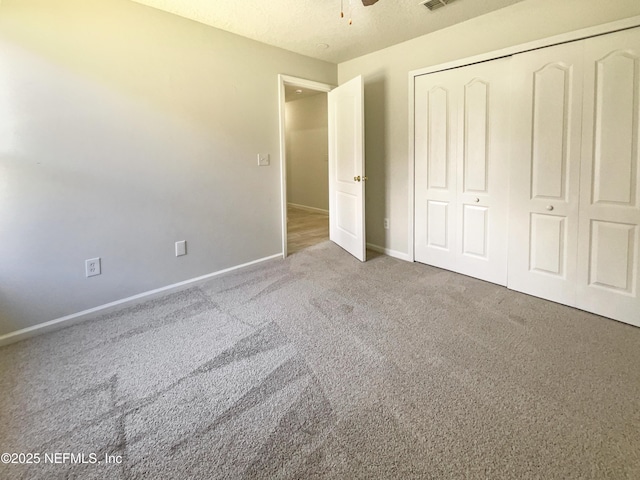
{"x":122,"y":130}
{"x":386,"y":90}
{"x":307,"y":151}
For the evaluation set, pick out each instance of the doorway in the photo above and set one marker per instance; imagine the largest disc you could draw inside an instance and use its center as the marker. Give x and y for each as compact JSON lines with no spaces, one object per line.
{"x":304,"y":163}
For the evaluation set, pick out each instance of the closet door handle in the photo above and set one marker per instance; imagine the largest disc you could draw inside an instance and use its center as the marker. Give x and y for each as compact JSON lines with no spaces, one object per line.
{"x":477,"y":200}
{"x":550,"y":207}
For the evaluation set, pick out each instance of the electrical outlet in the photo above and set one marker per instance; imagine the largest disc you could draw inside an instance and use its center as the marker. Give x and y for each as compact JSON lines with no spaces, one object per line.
{"x":92,"y":267}
{"x":264,"y":160}
{"x":386,"y":224}
{"x":181,"y":248}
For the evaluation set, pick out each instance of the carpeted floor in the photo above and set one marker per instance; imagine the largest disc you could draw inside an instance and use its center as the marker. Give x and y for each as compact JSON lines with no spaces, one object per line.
{"x":322,"y":367}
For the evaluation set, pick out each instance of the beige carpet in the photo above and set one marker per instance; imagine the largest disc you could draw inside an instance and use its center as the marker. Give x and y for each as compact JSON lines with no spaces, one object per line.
{"x":322,"y":367}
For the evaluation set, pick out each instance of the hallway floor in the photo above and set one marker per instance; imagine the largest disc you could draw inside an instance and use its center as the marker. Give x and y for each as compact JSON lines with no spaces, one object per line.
{"x":305,"y":228}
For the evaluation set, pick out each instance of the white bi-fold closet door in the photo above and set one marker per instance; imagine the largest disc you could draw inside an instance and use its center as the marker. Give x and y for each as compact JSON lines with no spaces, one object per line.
{"x":609,"y":240}
{"x":461,"y":169}
{"x":538,"y":151}
{"x":546,"y":132}
{"x":575,"y":201}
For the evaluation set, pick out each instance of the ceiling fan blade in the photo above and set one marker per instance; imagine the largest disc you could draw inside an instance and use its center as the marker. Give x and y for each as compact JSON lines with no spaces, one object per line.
{"x":366,"y":3}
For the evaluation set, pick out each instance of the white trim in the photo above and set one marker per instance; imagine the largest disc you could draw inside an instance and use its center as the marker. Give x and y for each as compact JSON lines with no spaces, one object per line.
{"x":283,"y":163}
{"x":310,"y":209}
{"x":302,"y":83}
{"x":581,"y":34}
{"x":389,"y":252}
{"x":411,"y":186}
{"x":69,"y":320}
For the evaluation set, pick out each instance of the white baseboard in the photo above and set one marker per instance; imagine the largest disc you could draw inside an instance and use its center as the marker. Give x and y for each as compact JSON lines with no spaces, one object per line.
{"x":69,"y":320}
{"x":310,"y":209}
{"x":388,"y":251}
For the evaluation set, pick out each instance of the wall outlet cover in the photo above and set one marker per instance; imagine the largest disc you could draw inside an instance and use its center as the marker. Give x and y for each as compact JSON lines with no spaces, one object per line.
{"x":264,"y":160}
{"x":92,"y":267}
{"x":181,"y":248}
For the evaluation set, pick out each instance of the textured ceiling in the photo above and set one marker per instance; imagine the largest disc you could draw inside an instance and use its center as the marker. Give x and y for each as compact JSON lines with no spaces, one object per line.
{"x":300,"y":25}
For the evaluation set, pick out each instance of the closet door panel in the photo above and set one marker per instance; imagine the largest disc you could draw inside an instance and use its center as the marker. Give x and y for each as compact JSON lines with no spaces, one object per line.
{"x":483,"y":165}
{"x":608,"y":261}
{"x":547,"y":254}
{"x":438,"y":132}
{"x":475,"y":231}
{"x":461,"y":162}
{"x":545,"y":171}
{"x":550,"y":131}
{"x":435,"y":187}
{"x":476,"y":145}
{"x":612,"y":256}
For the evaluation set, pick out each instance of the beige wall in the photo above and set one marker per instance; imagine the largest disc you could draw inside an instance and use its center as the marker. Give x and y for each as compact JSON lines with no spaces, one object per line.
{"x":122,"y":130}
{"x":307,"y":151}
{"x":386,"y":90}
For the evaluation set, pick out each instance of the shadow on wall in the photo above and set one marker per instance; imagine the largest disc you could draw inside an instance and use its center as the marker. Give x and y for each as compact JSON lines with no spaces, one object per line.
{"x":375,"y":97}
{"x":125,"y":129}
{"x":148,"y":55}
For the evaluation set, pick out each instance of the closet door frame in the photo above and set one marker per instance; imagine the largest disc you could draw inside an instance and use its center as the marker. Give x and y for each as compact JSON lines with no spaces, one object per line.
{"x":507,"y":52}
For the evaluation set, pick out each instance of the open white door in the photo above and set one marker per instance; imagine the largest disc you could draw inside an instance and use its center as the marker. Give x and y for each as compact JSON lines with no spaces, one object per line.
{"x":346,"y":167}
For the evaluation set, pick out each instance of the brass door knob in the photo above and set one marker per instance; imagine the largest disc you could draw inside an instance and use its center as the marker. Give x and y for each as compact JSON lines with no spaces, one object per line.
{"x":357,"y":179}
{"x":364,"y":179}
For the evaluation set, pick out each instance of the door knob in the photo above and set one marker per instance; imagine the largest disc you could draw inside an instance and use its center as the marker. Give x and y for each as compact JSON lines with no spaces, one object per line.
{"x":549,"y":207}
{"x":364,"y":179}
{"x":357,"y":179}
{"x":477,"y":200}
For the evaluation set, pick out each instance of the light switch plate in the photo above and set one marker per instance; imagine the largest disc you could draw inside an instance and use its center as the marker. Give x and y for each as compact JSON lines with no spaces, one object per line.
{"x":264,"y":160}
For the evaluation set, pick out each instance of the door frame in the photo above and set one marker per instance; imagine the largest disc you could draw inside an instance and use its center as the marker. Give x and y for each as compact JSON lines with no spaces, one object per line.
{"x":300,"y":83}
{"x":581,"y":34}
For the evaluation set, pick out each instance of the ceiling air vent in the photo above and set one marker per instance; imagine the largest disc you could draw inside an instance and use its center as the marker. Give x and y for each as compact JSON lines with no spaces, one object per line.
{"x":435,"y":4}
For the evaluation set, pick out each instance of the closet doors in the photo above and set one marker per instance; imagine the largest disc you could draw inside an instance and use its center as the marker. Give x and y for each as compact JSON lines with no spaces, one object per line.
{"x":461,"y":169}
{"x":565,"y":120}
{"x":545,"y":171}
{"x":575,"y":202}
{"x":436,"y":189}
{"x":608,"y":260}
